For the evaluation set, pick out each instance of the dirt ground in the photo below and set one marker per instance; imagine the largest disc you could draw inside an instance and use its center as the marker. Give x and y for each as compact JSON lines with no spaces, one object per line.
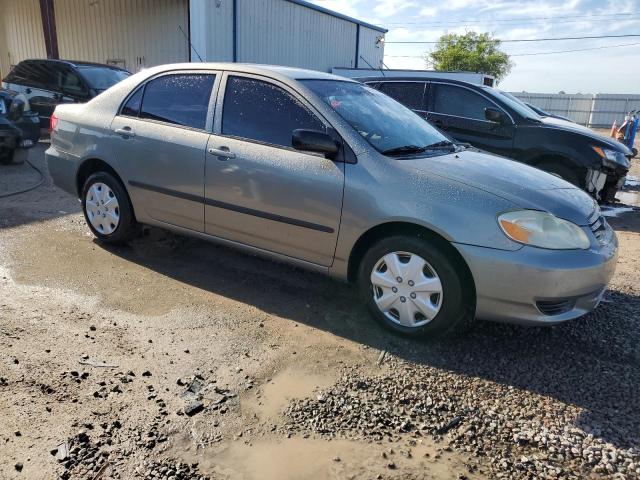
{"x":104,"y":351}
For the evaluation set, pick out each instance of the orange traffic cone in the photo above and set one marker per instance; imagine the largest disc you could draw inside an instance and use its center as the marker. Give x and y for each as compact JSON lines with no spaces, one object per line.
{"x":614,"y":129}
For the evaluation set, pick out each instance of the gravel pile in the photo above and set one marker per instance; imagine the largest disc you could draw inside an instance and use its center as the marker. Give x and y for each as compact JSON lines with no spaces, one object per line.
{"x":521,"y":434}
{"x":81,"y":457}
{"x":168,"y":469}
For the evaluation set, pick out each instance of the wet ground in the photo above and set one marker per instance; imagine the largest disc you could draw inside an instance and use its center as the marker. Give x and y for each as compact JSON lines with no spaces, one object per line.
{"x":120,"y":343}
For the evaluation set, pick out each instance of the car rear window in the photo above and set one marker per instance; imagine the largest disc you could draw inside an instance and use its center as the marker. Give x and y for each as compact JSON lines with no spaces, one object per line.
{"x":262,"y":111}
{"x":181,"y":99}
{"x":100,"y":78}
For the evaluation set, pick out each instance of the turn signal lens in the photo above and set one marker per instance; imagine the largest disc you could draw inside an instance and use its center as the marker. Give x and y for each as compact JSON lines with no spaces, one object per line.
{"x":515,"y":231}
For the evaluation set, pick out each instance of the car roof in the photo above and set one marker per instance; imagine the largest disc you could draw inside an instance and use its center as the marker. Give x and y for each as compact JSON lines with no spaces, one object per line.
{"x":274,"y":71}
{"x":417,"y":79}
{"x":75,"y":63}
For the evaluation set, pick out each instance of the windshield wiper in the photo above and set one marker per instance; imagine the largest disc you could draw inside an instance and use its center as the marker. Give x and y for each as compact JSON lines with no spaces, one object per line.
{"x":440,"y":144}
{"x":405,"y":149}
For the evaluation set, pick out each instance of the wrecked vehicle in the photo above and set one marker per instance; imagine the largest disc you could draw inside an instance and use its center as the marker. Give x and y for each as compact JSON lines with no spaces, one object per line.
{"x":492,"y":120}
{"x":19,"y":126}
{"x":336,"y":177}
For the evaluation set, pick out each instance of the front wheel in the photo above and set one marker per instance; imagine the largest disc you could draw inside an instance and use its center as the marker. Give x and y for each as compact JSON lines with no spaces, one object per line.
{"x":414,"y":287}
{"x":107,"y":209}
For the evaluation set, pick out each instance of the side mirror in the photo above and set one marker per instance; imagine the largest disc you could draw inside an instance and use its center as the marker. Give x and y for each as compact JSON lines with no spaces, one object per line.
{"x":314,"y":141}
{"x":494,"y":115}
{"x":16,"y":109}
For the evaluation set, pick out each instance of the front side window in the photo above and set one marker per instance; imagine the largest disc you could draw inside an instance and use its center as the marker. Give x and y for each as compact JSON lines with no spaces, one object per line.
{"x":264,"y":112}
{"x":181,"y":99}
{"x":410,"y":94}
{"x":67,"y":81}
{"x":460,"y":102}
{"x":390,"y":127}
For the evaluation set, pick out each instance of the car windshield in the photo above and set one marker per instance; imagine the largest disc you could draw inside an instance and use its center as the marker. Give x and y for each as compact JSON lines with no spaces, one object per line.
{"x":101,"y":78}
{"x":516,"y":104}
{"x":390,"y":127}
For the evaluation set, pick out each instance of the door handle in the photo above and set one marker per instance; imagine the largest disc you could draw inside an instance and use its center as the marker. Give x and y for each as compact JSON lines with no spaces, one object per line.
{"x":125,"y":132}
{"x":222,"y":153}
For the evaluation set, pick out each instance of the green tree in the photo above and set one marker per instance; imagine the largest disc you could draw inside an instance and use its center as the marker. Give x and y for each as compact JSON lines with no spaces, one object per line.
{"x":471,"y":52}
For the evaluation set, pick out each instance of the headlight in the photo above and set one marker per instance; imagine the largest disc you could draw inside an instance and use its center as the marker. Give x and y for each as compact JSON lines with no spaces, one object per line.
{"x":542,"y":229}
{"x":611,"y":158}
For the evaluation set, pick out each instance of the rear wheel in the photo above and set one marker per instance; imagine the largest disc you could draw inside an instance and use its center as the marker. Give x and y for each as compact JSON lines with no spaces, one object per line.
{"x":413,"y":287}
{"x":107,"y":209}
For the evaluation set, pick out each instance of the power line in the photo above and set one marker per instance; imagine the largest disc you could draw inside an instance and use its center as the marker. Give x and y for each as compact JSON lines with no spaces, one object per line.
{"x":539,"y":53}
{"x":571,"y":18}
{"x":553,"y":39}
{"x":575,"y":50}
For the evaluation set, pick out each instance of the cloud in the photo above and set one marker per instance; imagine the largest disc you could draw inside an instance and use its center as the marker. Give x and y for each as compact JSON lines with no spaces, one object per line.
{"x":428,"y":11}
{"x":388,"y":8}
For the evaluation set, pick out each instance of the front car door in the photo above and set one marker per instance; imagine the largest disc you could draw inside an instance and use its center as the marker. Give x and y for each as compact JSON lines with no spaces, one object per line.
{"x":260,"y":191}
{"x":161,"y":138}
{"x":460,"y":112}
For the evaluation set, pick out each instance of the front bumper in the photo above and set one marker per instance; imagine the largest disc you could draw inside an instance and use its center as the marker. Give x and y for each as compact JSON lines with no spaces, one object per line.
{"x":534,"y":286}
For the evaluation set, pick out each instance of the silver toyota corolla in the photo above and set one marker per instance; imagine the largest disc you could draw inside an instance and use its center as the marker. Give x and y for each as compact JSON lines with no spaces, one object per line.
{"x":334,"y":176}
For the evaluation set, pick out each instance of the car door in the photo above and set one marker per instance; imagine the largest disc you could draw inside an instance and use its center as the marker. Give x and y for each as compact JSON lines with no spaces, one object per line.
{"x":260,"y":191}
{"x":160,"y":138}
{"x":460,"y":112}
{"x":412,"y":94}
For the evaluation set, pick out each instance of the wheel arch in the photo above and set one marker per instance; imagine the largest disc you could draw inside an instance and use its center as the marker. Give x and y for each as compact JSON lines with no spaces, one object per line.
{"x":92,"y":165}
{"x":564,"y":160}
{"x":388,"y":229}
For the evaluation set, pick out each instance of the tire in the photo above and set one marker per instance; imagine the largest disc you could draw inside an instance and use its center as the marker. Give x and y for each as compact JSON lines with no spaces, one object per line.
{"x":110,"y":222}
{"x":6,"y":157}
{"x":455,"y":302}
{"x":562,"y":171}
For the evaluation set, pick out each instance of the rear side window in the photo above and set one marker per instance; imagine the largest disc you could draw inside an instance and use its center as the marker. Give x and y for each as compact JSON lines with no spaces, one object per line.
{"x":181,"y":99}
{"x":265,"y":112}
{"x":460,"y":102}
{"x":36,"y":74}
{"x":410,"y":94}
{"x":132,"y":107}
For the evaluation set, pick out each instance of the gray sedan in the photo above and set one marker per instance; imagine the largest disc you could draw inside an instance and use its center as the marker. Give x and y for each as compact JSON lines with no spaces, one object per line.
{"x":333,"y":176}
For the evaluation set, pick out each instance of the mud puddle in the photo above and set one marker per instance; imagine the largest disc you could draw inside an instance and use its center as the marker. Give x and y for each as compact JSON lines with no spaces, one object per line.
{"x":293,"y":382}
{"x":311,"y":458}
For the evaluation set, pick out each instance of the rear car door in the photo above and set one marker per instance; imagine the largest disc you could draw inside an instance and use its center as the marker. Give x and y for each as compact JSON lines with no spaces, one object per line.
{"x":260,"y":191}
{"x":460,"y":112}
{"x":162,"y":132}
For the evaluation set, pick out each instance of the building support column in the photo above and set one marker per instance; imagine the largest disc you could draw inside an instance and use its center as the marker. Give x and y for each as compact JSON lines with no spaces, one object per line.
{"x":49,"y":28}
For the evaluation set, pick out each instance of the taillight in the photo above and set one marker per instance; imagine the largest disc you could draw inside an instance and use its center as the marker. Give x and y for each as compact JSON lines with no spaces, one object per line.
{"x":53,"y":122}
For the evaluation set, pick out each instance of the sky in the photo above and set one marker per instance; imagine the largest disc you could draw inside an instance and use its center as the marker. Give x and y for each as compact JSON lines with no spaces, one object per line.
{"x":605,"y":70}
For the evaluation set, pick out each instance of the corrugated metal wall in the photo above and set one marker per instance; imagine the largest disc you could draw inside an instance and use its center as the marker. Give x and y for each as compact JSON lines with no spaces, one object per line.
{"x":212,"y":30}
{"x":599,"y":110}
{"x":284,"y":33}
{"x":137,"y":33}
{"x":23,"y":37}
{"x":370,"y":49}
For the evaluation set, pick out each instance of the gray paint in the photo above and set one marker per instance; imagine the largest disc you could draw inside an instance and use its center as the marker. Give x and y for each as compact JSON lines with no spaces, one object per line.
{"x":249,"y":201}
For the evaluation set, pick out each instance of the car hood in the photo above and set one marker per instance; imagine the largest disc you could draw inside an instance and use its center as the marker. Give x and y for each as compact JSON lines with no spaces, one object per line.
{"x":524,"y":186}
{"x":576,"y":128}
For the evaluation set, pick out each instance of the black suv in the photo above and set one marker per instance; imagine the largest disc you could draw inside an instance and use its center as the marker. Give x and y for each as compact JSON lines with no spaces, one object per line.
{"x":492,"y":120}
{"x":46,"y":83}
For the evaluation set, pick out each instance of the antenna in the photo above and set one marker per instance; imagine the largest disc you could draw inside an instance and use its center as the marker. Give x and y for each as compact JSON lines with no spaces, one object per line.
{"x":189,"y":42}
{"x":372,"y":67}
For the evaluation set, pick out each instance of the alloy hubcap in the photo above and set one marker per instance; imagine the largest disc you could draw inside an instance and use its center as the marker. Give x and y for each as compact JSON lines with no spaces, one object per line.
{"x":102,"y":208}
{"x":406,"y":289}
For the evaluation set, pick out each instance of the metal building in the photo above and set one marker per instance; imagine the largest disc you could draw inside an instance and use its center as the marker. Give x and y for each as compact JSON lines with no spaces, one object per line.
{"x":142,"y":33}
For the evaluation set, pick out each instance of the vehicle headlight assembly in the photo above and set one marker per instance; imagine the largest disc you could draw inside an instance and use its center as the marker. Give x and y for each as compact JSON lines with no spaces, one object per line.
{"x":611,"y":158}
{"x":543,"y":230}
